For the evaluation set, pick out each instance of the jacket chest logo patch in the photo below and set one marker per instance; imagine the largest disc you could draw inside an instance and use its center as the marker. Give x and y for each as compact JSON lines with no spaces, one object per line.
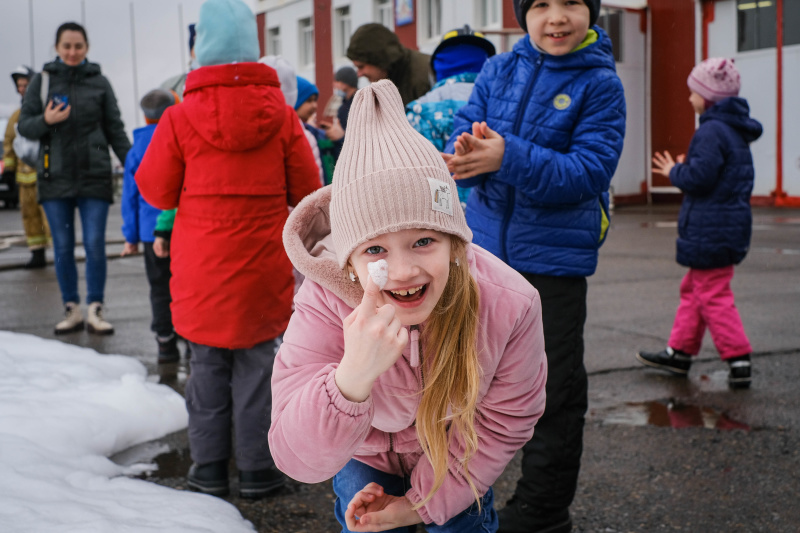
{"x":562,"y":101}
{"x":441,"y":196}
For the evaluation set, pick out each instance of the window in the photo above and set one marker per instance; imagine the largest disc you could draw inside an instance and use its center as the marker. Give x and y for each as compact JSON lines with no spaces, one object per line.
{"x":343,"y":30}
{"x":306,"y":34}
{"x":488,"y":13}
{"x":274,"y":41}
{"x":611,"y":21}
{"x":384,"y":13}
{"x":431,"y":19}
{"x":757,"y":23}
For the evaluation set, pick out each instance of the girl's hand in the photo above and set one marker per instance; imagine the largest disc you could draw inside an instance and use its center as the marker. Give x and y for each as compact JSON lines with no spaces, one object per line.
{"x":373,"y":341}
{"x":479,"y":153}
{"x":663,"y":163}
{"x":373,"y":510}
{"x":54,"y":115}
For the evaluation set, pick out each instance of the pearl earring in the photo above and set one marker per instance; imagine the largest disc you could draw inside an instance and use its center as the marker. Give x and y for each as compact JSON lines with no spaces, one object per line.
{"x":458,"y":263}
{"x":352,"y":277}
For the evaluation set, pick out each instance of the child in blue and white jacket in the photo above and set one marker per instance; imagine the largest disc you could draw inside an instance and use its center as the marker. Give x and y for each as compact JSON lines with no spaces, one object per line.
{"x":539,"y":141}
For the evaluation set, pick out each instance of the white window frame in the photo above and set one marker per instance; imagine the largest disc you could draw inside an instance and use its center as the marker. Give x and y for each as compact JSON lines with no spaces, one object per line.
{"x":274,"y":41}
{"x":305,"y":34}
{"x":488,"y":13}
{"x":383,"y":11}
{"x":430,"y":20}
{"x":343,"y":30}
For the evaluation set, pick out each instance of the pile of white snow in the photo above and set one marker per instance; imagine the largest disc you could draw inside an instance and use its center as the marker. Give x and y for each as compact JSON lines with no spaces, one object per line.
{"x":63,"y":411}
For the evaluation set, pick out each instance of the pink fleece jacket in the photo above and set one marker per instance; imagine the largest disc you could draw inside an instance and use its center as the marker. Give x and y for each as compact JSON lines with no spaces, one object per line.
{"x":315,"y":431}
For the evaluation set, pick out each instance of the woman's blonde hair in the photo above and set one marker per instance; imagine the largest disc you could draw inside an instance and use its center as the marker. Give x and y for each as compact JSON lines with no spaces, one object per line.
{"x":451,"y":373}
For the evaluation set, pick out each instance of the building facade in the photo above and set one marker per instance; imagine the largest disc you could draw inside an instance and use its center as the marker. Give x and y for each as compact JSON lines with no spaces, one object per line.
{"x":657,"y":42}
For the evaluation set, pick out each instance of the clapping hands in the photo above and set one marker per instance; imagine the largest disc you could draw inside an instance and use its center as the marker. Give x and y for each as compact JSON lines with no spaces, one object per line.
{"x":477,"y":153}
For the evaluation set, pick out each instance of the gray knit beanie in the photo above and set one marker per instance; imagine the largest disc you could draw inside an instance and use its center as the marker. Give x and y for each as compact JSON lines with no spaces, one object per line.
{"x":348,"y":76}
{"x":389,"y":177}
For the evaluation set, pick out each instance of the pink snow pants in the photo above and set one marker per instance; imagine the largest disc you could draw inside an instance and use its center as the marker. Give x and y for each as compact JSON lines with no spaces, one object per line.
{"x":707,"y":302}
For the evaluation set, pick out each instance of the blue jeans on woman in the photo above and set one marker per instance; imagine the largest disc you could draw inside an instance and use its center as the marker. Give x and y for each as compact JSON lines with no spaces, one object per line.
{"x":356,"y":475}
{"x":61,"y":217}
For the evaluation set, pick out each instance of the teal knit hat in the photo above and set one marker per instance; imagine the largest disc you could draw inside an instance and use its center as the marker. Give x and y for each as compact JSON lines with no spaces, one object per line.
{"x":226,"y":33}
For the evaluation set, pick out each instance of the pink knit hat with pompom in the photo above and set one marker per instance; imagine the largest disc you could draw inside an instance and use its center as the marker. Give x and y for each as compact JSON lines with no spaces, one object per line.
{"x":715,"y":78}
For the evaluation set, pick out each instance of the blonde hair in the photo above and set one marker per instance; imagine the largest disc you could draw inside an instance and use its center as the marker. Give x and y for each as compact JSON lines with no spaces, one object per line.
{"x":450,"y":348}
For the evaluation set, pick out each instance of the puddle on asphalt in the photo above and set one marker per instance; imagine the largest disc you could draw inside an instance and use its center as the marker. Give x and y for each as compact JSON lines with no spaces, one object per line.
{"x":168,"y":462}
{"x":668,"y":413}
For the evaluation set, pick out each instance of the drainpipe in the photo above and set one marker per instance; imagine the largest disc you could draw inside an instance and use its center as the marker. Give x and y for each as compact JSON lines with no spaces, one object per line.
{"x":323,"y":51}
{"x":779,"y":194}
{"x":708,"y":18}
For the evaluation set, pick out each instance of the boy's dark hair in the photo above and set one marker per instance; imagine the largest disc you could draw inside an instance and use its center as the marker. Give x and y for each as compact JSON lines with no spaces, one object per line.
{"x":521,"y":8}
{"x":71,"y":26}
{"x":155,"y":102}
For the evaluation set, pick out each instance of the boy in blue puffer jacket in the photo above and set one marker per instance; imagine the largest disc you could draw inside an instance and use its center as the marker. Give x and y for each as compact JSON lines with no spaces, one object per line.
{"x":140,"y":222}
{"x":715,"y":223}
{"x":539,"y":141}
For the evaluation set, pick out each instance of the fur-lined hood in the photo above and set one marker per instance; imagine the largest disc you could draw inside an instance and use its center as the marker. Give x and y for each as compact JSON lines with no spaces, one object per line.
{"x":309,"y":245}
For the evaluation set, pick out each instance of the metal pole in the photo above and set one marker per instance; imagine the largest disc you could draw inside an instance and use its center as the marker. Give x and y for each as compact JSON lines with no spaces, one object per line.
{"x":183,"y":41}
{"x":779,"y":192}
{"x":135,"y":71}
{"x":30,"y":22}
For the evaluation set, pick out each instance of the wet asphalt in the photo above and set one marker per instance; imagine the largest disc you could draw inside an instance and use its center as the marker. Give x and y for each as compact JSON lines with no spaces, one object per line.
{"x":660,"y":453}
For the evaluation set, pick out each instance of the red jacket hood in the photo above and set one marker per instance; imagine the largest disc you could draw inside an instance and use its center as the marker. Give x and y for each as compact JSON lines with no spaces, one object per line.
{"x":236,"y":106}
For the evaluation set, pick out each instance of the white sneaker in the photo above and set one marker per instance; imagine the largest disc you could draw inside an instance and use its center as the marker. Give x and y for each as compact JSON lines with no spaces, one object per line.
{"x":94,"y":320}
{"x":73,"y":319}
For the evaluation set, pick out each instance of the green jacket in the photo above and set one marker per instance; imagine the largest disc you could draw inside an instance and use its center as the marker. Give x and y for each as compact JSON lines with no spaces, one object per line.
{"x":79,"y":164}
{"x":409,"y":70}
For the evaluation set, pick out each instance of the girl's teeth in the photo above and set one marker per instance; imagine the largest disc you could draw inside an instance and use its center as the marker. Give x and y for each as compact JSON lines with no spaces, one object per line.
{"x":406,"y":293}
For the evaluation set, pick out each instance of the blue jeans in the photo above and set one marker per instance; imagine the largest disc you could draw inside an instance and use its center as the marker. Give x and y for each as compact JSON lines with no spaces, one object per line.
{"x":356,"y":475}
{"x":61,"y":217}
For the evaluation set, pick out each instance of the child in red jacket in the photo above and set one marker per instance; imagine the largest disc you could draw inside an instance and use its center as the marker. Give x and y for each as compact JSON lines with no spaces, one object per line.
{"x":232,"y":157}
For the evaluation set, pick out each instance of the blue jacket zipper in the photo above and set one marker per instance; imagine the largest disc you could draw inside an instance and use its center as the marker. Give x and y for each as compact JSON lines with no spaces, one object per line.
{"x":512,"y":196}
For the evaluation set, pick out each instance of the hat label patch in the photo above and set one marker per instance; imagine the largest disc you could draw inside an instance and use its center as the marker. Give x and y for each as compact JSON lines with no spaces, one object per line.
{"x":562,"y":101}
{"x":441,"y":196}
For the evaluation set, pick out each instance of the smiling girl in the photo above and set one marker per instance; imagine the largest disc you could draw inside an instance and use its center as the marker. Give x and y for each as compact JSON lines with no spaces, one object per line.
{"x":416,"y":395}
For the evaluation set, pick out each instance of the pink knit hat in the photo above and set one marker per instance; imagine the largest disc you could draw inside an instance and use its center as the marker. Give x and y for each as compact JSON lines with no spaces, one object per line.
{"x":714,"y":79}
{"x":388,"y":176}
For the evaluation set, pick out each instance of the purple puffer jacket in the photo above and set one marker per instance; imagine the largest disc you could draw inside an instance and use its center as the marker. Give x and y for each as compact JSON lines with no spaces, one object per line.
{"x":316,"y":431}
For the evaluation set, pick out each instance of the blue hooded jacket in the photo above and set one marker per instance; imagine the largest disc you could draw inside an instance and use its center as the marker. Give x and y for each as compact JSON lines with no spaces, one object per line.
{"x":715,"y":221}
{"x":138,"y":217}
{"x":545,"y":211}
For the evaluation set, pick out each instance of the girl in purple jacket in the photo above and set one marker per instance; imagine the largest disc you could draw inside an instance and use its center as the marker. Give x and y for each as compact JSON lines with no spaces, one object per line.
{"x":413,"y":368}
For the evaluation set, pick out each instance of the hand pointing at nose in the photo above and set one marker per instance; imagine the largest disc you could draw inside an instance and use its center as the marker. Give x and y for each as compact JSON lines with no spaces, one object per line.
{"x":373,"y":340}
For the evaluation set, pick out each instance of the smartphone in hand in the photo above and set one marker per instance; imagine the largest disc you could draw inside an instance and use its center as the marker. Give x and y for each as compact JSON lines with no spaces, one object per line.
{"x":60,"y":101}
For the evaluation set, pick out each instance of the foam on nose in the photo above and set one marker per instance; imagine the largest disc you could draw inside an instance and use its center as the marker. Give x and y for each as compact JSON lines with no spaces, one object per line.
{"x":379,"y":272}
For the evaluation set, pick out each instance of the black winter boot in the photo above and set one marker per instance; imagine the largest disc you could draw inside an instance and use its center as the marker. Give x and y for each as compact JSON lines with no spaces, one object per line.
{"x":209,"y":478}
{"x":37,"y":260}
{"x":518,"y":517}
{"x":168,"y":349}
{"x":739,"y":373}
{"x":256,"y":484}
{"x":673,"y":361}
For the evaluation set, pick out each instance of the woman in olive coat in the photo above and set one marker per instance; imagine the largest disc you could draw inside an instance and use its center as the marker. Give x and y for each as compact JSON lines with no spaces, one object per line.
{"x":75,"y":124}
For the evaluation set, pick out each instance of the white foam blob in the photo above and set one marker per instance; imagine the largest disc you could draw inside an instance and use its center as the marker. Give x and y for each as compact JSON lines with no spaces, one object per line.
{"x":379,"y":272}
